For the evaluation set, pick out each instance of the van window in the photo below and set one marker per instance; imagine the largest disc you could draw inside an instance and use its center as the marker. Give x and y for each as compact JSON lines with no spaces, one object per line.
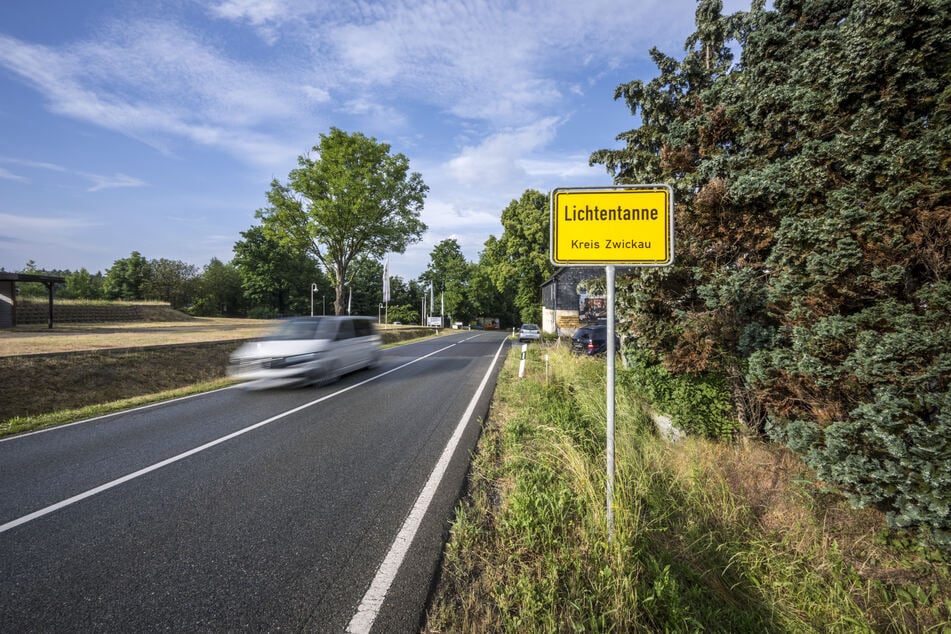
{"x":363,"y":327}
{"x":346,"y":329}
{"x":295,"y":329}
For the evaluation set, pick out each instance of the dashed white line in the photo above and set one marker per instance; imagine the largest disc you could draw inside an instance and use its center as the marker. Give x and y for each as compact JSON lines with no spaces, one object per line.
{"x":191,"y":452}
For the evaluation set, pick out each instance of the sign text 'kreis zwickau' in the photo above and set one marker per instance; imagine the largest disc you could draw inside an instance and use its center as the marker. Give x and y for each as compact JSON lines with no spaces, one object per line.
{"x":612,"y":225}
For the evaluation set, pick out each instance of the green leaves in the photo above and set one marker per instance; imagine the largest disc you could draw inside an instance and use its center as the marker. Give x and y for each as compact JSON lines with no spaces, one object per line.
{"x":449,"y":274}
{"x":355,"y":199}
{"x":520,"y":261}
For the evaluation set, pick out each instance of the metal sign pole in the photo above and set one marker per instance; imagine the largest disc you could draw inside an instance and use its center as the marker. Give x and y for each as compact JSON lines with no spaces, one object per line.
{"x":640,"y":222}
{"x":609,"y":274}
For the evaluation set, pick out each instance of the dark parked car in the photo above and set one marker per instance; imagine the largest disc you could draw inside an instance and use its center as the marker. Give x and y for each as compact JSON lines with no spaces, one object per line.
{"x":592,"y":340}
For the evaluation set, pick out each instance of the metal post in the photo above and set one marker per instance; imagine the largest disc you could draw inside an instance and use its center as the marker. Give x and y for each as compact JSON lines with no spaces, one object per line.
{"x":609,"y":272}
{"x":313,"y":287}
{"x":49,"y":286}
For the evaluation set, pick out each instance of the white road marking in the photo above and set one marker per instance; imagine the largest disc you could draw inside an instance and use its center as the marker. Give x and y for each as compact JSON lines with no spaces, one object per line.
{"x":158,"y":465}
{"x":362,"y":621}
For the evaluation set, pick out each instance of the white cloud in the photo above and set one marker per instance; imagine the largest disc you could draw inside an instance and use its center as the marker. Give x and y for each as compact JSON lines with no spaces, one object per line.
{"x":45,"y":223}
{"x":6,"y":174}
{"x":160,"y":84}
{"x":497,"y":160}
{"x":486,"y":60}
{"x":444,"y":217}
{"x":112,"y":182}
{"x":257,"y":12}
{"x":32,"y":164}
{"x":562,"y":169}
{"x":99,"y":181}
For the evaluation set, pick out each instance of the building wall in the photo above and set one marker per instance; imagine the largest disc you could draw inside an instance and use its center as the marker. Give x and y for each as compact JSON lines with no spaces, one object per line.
{"x":560,"y":298}
{"x":564,"y":322}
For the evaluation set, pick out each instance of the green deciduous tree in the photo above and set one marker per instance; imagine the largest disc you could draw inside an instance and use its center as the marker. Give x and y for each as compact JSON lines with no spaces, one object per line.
{"x":520,"y":260}
{"x":364,"y":293}
{"x":354,"y":199}
{"x":488,"y":300}
{"x":127,"y":278}
{"x":219,"y":290}
{"x":448,"y":272}
{"x":171,"y":281}
{"x":276,"y":278}
{"x":405,"y":294}
{"x":82,"y":285}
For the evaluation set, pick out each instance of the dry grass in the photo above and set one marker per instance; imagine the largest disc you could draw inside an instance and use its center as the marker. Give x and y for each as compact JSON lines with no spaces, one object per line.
{"x":70,"y":366}
{"x":45,"y":371}
{"x":40,"y":384}
{"x":38,"y":339}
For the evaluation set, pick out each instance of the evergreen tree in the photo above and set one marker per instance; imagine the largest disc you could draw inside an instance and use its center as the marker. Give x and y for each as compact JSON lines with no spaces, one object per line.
{"x":856,"y":376}
{"x":813,"y":234}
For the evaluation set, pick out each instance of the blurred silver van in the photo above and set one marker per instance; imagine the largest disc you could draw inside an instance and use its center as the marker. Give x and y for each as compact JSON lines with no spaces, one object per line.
{"x":306,"y":350}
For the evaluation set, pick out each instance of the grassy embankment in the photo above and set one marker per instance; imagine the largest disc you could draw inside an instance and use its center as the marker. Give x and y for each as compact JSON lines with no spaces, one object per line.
{"x":709,"y":536}
{"x":76,"y":371}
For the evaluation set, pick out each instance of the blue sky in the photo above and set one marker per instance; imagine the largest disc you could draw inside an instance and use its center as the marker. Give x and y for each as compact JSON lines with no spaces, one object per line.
{"x":157,"y":126}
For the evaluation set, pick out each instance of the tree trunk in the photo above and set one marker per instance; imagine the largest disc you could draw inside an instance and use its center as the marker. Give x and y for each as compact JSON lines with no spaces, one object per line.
{"x":340,"y":287}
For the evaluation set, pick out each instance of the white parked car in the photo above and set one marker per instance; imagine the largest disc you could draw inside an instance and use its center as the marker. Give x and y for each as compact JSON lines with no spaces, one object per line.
{"x":306,"y":350}
{"x":529,"y":332}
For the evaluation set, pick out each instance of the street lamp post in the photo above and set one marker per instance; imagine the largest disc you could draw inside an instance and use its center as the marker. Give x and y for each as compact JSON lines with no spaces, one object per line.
{"x":313,"y":288}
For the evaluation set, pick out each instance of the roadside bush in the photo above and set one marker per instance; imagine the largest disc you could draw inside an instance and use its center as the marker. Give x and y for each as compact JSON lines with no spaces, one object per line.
{"x":262,"y":312}
{"x":813,"y":214}
{"x":699,"y":403}
{"x":890,"y":450}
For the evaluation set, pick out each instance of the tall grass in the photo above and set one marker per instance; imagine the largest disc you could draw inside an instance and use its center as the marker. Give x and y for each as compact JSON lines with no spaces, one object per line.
{"x":697,"y":545}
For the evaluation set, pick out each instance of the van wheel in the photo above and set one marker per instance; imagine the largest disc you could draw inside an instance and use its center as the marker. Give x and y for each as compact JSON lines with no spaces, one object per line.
{"x":374,"y":360}
{"x":332,"y":376}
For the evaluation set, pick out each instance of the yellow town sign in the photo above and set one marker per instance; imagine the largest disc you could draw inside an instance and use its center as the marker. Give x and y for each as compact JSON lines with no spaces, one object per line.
{"x":612,"y":225}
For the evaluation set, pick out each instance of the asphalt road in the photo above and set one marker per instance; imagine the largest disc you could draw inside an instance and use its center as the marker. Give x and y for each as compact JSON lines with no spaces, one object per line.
{"x":247,"y":510}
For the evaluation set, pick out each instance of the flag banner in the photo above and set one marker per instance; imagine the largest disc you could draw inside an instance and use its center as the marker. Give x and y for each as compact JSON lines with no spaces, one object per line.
{"x":386,"y":280}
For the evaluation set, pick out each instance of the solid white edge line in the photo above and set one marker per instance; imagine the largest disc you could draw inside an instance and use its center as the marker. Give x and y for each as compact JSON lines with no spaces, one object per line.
{"x":158,"y":465}
{"x":365,"y":616}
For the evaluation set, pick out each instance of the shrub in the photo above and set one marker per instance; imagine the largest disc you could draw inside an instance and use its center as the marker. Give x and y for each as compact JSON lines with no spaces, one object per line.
{"x":813,"y":213}
{"x":699,"y":403}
